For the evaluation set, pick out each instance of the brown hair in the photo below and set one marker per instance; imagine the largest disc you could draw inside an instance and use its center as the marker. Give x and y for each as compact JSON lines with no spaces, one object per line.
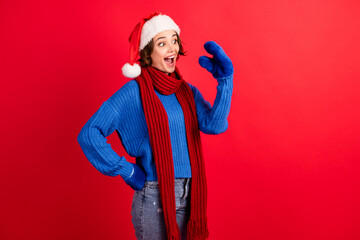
{"x":145,"y":54}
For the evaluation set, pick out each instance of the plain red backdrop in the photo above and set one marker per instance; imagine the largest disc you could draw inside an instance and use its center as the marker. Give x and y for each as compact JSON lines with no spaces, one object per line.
{"x":286,"y":169}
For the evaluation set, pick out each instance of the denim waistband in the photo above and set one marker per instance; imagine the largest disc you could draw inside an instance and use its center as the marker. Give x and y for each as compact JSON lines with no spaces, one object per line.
{"x":178,"y":182}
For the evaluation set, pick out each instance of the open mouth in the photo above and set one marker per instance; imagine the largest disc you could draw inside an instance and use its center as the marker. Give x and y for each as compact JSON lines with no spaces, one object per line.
{"x":170,"y":60}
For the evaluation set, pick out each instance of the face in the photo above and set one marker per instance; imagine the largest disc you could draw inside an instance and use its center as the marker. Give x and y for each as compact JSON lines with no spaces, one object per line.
{"x":165,"y":52}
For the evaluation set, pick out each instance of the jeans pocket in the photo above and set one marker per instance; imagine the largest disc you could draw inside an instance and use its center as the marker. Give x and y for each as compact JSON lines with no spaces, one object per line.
{"x":186,"y":189}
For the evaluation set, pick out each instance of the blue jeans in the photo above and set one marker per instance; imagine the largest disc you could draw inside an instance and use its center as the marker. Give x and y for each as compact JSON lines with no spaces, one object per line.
{"x":147,"y":213}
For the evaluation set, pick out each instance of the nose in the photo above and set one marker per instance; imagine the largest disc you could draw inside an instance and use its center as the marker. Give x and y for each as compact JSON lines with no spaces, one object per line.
{"x":171,"y":48}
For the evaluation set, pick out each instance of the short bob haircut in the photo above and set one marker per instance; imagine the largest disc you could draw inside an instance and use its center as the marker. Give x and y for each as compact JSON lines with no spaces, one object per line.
{"x":145,"y":54}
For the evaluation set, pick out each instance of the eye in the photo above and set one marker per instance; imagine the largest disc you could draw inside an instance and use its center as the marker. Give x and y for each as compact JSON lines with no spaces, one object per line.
{"x":161,"y":44}
{"x":175,"y":41}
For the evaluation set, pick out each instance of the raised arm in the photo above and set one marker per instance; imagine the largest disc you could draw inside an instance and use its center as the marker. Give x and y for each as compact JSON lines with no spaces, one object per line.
{"x":213,"y":119}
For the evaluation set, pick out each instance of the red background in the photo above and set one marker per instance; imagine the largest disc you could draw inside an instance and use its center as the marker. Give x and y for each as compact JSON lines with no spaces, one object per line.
{"x":288,"y":166}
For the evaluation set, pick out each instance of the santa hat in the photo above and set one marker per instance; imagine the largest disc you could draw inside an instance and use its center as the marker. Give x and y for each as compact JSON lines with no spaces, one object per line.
{"x":142,"y":34}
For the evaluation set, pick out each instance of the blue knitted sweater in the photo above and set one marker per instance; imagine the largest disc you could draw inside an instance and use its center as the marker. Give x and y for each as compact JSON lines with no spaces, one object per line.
{"x":123,"y":113}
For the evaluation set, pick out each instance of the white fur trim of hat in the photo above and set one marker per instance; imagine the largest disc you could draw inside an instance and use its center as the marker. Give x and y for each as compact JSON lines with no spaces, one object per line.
{"x":155,"y":26}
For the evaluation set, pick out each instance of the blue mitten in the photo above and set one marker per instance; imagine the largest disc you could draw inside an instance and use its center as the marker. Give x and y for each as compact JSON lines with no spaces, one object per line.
{"x":137,"y":178}
{"x":220,"y":65}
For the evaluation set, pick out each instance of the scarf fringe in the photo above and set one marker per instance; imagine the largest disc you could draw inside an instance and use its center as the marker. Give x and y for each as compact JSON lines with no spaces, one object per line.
{"x":197,"y":229}
{"x":173,"y":236}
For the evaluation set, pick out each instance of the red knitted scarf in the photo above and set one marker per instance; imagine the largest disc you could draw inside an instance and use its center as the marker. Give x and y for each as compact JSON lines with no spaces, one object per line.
{"x":157,"y":122}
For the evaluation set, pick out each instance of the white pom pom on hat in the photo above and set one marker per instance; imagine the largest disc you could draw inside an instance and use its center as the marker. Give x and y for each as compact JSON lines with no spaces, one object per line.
{"x":131,"y":71}
{"x":142,"y":34}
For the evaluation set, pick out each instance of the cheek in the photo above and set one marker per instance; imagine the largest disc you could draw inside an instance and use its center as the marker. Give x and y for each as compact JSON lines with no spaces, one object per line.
{"x":156,"y":58}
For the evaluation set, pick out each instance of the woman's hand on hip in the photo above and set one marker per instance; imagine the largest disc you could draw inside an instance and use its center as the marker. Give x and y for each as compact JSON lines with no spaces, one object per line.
{"x":137,"y":178}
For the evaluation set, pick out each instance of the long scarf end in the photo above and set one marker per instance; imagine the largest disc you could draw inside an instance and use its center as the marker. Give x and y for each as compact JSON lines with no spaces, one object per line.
{"x":197,"y":229}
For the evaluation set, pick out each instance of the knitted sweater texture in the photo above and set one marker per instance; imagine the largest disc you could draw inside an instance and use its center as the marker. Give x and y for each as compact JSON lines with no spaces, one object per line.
{"x":123,"y":113}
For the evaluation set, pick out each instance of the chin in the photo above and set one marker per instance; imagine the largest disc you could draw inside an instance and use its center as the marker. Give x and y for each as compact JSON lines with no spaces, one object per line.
{"x":170,"y":69}
{"x":166,"y":70}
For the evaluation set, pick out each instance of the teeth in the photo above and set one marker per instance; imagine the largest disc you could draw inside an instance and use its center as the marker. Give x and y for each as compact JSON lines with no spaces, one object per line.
{"x":170,"y":60}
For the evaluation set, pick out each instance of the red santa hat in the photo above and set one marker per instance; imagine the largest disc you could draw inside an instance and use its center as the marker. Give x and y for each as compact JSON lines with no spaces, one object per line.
{"x":142,"y":34}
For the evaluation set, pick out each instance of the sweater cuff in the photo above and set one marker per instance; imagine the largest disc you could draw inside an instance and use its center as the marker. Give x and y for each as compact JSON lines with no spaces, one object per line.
{"x":227,"y":79}
{"x":225,"y":84}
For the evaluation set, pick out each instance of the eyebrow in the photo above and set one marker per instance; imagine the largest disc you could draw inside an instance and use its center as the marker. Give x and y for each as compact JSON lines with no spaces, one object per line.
{"x":174,"y":35}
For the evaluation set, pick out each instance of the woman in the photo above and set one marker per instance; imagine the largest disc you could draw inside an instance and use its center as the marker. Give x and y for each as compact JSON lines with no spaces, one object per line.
{"x":158,"y":117}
